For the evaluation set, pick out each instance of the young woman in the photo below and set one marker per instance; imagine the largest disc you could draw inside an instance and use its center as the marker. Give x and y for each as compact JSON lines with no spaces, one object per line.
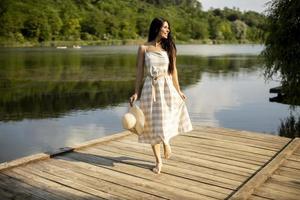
{"x":160,"y":96}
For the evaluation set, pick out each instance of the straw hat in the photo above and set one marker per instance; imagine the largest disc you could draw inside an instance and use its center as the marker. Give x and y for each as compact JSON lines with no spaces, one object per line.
{"x":134,"y":120}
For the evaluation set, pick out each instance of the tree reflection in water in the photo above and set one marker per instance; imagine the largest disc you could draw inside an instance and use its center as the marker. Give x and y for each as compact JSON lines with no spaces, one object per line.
{"x":43,"y":84}
{"x":290,"y":127}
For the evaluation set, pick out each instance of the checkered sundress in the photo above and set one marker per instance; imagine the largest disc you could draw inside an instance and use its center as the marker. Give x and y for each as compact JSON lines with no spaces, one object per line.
{"x":165,"y":112}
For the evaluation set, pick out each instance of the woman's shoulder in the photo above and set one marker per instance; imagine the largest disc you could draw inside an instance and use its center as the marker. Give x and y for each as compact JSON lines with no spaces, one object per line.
{"x":143,"y":47}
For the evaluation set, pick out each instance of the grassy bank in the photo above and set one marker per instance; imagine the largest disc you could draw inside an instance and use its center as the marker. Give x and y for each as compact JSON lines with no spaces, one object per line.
{"x":109,"y":42}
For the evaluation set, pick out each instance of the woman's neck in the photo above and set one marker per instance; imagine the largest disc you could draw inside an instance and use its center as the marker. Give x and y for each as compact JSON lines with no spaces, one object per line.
{"x":157,"y":42}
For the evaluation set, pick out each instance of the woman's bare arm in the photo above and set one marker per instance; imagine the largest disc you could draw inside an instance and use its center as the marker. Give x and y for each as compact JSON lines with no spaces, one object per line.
{"x":139,"y":73}
{"x":139,"y":69}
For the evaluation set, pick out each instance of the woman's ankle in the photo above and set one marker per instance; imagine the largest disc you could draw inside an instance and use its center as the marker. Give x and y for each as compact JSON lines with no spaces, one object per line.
{"x":157,"y":168}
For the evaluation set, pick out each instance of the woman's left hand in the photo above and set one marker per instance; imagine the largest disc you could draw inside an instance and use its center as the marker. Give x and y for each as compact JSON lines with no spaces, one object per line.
{"x":182,"y":95}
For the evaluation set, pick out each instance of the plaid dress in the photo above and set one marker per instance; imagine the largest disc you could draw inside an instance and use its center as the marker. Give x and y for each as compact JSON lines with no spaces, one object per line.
{"x":165,"y":112}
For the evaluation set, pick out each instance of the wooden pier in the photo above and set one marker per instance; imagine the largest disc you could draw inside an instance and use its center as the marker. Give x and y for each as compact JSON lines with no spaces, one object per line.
{"x":207,"y":163}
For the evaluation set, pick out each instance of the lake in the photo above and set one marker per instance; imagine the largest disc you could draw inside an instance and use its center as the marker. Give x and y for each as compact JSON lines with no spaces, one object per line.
{"x":52,"y":98}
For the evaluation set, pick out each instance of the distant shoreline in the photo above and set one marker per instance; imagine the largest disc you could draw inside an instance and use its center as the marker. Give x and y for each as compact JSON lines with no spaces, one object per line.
{"x":70,"y":44}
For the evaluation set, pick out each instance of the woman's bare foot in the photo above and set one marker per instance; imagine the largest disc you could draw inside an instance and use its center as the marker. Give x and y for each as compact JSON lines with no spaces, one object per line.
{"x":167,"y":151}
{"x":157,"y":168}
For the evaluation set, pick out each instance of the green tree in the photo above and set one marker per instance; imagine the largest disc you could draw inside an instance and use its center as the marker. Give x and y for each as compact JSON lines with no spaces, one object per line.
{"x":199,"y":29}
{"x":282,"y":52}
{"x":226,"y":30}
{"x":214,"y":32}
{"x":37,"y":21}
{"x":36,"y":27}
{"x":93,"y":25}
{"x":142,"y":26}
{"x":240,"y":29}
{"x":55,"y":23}
{"x":11,"y":21}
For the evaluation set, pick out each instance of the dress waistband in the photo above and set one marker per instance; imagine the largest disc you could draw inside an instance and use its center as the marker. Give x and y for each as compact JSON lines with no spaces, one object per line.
{"x":157,"y":77}
{"x":153,"y":80}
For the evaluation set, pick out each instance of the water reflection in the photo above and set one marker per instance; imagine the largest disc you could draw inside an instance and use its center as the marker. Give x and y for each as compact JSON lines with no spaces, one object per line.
{"x":51,"y":98}
{"x":42,"y":86}
{"x":27,"y":137}
{"x":54,"y":99}
{"x":290,"y":126}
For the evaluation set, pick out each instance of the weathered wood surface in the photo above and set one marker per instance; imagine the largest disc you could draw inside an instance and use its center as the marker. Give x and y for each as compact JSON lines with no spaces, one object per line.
{"x":207,"y":163}
{"x":284,"y":181}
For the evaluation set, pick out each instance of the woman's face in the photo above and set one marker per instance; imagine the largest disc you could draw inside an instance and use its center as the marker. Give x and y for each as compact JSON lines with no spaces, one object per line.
{"x":164,"y":31}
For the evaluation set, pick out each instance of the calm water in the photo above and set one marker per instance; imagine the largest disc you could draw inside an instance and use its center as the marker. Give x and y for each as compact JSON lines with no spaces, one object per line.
{"x":52,"y":98}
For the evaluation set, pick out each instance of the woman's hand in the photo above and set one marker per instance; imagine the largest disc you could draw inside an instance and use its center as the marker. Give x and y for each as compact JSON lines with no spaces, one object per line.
{"x":133,"y":98}
{"x":182,"y":95}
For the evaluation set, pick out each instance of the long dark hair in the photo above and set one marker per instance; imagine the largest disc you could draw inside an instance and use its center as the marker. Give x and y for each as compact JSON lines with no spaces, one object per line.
{"x":167,"y":44}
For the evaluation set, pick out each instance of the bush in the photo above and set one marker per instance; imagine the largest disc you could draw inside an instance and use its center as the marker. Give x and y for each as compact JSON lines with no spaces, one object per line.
{"x":290,"y":127}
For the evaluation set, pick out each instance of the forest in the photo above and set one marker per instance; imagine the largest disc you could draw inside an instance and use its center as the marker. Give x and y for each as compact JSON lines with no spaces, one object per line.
{"x":52,"y":22}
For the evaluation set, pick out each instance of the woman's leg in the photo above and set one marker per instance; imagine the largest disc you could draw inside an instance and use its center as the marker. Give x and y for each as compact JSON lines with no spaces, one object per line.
{"x":156,"y":152}
{"x":167,"y":150}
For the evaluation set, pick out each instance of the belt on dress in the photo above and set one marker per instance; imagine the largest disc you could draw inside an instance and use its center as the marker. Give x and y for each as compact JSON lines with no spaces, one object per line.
{"x":153,"y":80}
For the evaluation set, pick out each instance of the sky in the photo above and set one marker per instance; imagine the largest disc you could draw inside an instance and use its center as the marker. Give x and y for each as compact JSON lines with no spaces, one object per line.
{"x":254,"y":5}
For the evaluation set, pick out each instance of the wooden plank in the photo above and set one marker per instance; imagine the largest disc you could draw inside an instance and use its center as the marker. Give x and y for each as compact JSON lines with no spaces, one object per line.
{"x":58,"y":190}
{"x":291,"y":164}
{"x":216,"y":144}
{"x":232,"y":146}
{"x":183,"y":173}
{"x":67,"y":181}
{"x":208,"y":163}
{"x":187,"y":162}
{"x":252,"y":137}
{"x":297,"y":154}
{"x":191,"y":156}
{"x":65,"y":169}
{"x":206,"y":147}
{"x":294,"y":158}
{"x":261,"y":176}
{"x":137,"y":171}
{"x":240,"y":133}
{"x":231,"y":139}
{"x":175,"y":168}
{"x":281,"y":187}
{"x":238,"y":153}
{"x":200,"y":150}
{"x":5,"y":194}
{"x":136,"y":183}
{"x":195,"y":170}
{"x":23,"y":160}
{"x":206,"y":176}
{"x":275,"y":194}
{"x":285,"y":181}
{"x":298,"y":150}
{"x":20,"y":190}
{"x":194,"y":145}
{"x":288,"y":172}
{"x":183,"y":158}
{"x":255,"y":197}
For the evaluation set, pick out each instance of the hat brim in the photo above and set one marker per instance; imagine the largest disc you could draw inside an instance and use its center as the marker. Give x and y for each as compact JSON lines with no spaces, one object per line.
{"x":140,"y":119}
{"x":128,"y":121}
